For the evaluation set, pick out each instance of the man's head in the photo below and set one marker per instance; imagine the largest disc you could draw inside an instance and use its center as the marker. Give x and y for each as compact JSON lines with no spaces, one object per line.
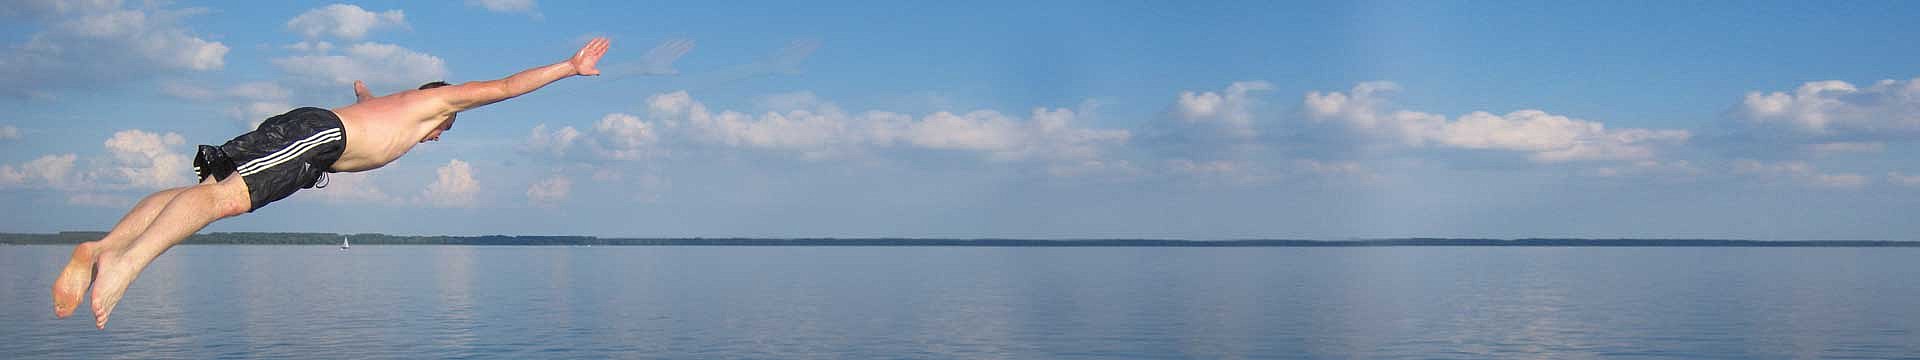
{"x":448,"y":125}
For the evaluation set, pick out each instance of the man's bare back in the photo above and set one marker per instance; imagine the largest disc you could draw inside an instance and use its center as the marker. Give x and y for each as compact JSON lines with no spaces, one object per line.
{"x":380,"y":130}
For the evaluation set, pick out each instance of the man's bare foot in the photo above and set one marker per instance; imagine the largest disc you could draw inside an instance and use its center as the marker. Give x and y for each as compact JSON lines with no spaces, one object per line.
{"x":116,"y":272}
{"x":72,"y":284}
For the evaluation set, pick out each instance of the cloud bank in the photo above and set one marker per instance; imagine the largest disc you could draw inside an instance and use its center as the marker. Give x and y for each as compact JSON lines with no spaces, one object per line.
{"x":345,"y":22}
{"x":1545,"y":137}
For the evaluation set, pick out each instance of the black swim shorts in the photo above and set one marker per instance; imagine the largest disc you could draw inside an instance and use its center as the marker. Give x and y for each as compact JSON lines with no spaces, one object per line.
{"x":289,"y":152}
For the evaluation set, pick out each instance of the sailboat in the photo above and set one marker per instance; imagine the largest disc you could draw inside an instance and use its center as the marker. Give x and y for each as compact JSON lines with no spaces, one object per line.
{"x":343,"y":244}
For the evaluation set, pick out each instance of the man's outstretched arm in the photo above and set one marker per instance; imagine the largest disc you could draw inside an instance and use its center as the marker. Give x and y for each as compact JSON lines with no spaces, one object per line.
{"x":479,"y":93}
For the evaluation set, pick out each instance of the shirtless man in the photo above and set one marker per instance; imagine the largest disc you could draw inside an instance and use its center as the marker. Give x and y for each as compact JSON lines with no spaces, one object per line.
{"x":287,"y":153}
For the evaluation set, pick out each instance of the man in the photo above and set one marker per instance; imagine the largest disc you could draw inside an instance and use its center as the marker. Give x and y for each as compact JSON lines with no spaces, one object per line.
{"x":288,"y":152}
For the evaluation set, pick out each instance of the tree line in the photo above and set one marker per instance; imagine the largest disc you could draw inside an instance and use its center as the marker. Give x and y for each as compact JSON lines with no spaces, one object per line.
{"x":275,"y":238}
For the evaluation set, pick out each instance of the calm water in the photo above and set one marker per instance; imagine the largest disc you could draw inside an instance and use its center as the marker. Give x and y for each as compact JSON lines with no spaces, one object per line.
{"x":1019,"y":303}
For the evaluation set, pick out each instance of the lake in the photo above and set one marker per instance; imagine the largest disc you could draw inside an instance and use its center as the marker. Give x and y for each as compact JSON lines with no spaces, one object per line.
{"x":684,"y":302}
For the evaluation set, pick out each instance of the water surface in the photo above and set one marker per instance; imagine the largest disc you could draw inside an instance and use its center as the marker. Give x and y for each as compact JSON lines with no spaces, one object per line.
{"x":963,"y":302}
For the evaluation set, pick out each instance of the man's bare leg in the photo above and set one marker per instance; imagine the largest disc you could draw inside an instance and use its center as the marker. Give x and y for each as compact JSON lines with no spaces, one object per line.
{"x":190,"y":210}
{"x":73,"y":281}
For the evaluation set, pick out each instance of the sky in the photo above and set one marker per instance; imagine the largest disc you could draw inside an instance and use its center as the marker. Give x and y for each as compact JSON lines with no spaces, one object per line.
{"x":1057,"y":120}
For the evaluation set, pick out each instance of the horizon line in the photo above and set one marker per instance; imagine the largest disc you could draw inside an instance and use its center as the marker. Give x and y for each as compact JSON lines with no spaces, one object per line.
{"x":310,"y":238}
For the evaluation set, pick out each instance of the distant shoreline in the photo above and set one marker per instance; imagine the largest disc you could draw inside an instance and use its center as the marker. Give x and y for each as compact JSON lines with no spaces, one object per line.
{"x":253,"y":238}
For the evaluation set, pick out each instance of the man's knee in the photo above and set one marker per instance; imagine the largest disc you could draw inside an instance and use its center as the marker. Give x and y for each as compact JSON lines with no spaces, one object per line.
{"x":227,"y":198}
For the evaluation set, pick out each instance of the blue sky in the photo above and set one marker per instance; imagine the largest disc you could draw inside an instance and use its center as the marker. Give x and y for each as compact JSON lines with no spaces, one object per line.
{"x":1762,"y":120}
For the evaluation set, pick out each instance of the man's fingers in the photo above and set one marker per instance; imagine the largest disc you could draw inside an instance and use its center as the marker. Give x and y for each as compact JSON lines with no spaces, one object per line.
{"x":360,"y":90}
{"x":598,"y":45}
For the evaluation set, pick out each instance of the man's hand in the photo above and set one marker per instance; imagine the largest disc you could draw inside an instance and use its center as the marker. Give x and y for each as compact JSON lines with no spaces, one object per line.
{"x":583,"y":61}
{"x":360,"y":92}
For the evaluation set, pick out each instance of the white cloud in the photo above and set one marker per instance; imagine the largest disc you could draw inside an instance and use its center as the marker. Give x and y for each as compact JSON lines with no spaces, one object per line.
{"x":92,"y":43}
{"x":1799,"y":171}
{"x":1654,"y":168}
{"x":151,"y":36}
{"x":1047,"y":133}
{"x":134,"y":159}
{"x":1205,"y":167}
{"x":505,"y":6}
{"x":817,"y":130}
{"x":1554,"y":138}
{"x":1547,"y":137}
{"x":8,"y":132}
{"x":1202,"y":131}
{"x":1230,"y":110}
{"x":550,"y":191}
{"x":1888,"y":109}
{"x":320,"y":47}
{"x":806,"y":130}
{"x":45,"y":8}
{"x":1846,"y":147}
{"x":456,"y":187}
{"x":1849,"y":181}
{"x":980,"y":130}
{"x":528,"y":7}
{"x":147,"y":160}
{"x":251,"y":103}
{"x":376,"y":63}
{"x":823,"y":130}
{"x":624,"y":137}
{"x":1335,"y":169}
{"x":1897,"y":178}
{"x":347,"y":22}
{"x":1359,"y":109}
{"x":553,"y":142}
{"x":51,"y":171}
{"x":1114,"y":169}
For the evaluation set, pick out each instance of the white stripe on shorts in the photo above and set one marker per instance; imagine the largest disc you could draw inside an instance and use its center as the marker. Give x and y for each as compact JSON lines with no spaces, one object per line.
{"x":290,"y":152}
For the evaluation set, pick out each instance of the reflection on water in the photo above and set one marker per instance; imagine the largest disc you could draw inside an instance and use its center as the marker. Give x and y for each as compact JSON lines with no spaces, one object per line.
{"x":924,"y":302}
{"x":453,"y":319}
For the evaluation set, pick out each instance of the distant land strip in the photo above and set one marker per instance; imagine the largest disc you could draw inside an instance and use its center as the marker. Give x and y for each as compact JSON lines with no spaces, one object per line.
{"x":262,"y":238}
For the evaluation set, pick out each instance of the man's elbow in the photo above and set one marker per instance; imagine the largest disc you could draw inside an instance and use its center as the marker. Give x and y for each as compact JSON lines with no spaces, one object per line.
{"x":478,"y":93}
{"x":505,"y":90}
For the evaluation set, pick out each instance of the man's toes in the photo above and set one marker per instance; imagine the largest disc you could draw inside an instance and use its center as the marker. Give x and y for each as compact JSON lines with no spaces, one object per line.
{"x":100,"y":318}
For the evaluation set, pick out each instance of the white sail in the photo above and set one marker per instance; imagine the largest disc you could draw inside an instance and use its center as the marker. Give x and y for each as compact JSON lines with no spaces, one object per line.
{"x":343,"y":243}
